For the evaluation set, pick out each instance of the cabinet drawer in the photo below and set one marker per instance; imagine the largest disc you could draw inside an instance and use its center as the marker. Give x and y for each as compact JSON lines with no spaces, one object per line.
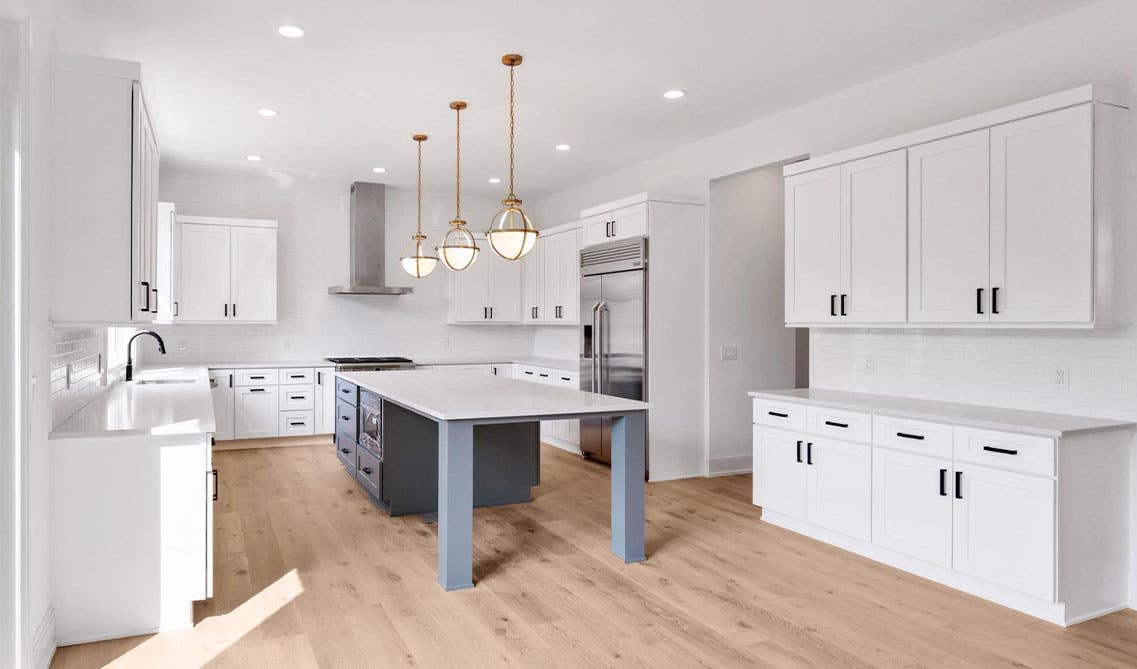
{"x":296,"y":397}
{"x":785,"y":415}
{"x":345,"y":451}
{"x":1005,"y":450}
{"x":257,"y":377}
{"x":345,"y":420}
{"x":370,"y":472}
{"x":294,"y":423}
{"x":566,"y":379}
{"x":914,"y":436}
{"x":526,"y":372}
{"x":347,"y":391}
{"x":840,"y":424}
{"x":303,"y":375}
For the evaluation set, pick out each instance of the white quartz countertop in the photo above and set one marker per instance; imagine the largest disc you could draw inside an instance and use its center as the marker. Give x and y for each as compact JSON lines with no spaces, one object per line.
{"x":160,"y":409}
{"x":445,"y":396}
{"x":552,"y":363}
{"x":271,"y":364}
{"x":971,"y":415}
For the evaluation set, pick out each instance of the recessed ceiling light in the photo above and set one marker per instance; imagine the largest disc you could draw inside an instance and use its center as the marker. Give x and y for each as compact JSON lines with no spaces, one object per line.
{"x":379,"y":170}
{"x":266,"y":112}
{"x":254,"y":159}
{"x":290,"y":31}
{"x":562,"y":147}
{"x":674,"y":94}
{"x":495,"y":180}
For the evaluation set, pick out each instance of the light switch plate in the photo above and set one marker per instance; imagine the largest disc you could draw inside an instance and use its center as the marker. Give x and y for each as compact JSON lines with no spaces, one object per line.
{"x":1061,"y":377}
{"x":728,"y":352}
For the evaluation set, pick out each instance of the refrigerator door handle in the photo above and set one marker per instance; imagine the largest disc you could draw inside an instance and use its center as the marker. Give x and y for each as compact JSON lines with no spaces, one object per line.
{"x":595,"y":350}
{"x":600,"y":347}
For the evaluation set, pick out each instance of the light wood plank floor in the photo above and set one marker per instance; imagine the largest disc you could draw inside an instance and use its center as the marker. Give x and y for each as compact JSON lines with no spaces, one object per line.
{"x":310,"y":574}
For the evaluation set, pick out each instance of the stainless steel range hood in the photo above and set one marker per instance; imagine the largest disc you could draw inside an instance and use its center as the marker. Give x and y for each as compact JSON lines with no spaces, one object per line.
{"x":367,"y":251}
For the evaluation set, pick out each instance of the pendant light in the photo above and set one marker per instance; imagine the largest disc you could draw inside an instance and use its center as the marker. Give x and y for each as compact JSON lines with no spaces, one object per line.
{"x":414,"y":258}
{"x":459,"y":249}
{"x":512,"y":234}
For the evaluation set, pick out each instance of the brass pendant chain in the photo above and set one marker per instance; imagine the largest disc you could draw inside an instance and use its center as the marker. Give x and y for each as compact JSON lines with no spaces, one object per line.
{"x":511,"y":86}
{"x":458,"y":164}
{"x":419,"y":192}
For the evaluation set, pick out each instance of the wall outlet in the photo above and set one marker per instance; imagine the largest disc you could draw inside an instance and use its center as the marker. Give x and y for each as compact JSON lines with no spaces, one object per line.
{"x":729,"y":352}
{"x":870,"y":366}
{"x":1061,"y":376}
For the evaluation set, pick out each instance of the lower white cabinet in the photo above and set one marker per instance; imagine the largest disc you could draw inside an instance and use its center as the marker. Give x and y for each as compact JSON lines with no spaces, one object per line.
{"x":296,"y":423}
{"x":564,"y":434}
{"x":838,"y":491}
{"x":221,"y":385}
{"x":779,"y":471}
{"x":324,"y":416}
{"x":255,"y":412}
{"x":1004,"y":528}
{"x":911,"y":505}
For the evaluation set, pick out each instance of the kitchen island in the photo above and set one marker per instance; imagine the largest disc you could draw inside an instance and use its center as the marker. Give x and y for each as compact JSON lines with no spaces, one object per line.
{"x":459,"y":403}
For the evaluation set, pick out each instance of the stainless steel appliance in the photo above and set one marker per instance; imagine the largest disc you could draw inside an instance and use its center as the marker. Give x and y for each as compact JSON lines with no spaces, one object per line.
{"x":374,"y":364}
{"x":367,"y":213}
{"x":613,"y":332}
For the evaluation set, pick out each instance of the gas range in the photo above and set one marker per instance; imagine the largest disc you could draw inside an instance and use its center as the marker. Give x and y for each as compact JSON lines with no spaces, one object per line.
{"x":371,"y":364}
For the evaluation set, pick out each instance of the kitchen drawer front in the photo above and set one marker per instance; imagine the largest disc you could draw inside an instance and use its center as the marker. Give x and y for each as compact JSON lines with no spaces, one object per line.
{"x":566,"y":379}
{"x":546,"y":375}
{"x":914,"y":436}
{"x":786,"y":415}
{"x":370,"y":472}
{"x":257,"y":377}
{"x":526,"y":372}
{"x":839,"y":423}
{"x":1005,"y":450}
{"x":298,"y":375}
{"x":345,"y":451}
{"x":296,"y":397}
{"x":296,"y":423}
{"x":345,"y":420}
{"x":347,"y":391}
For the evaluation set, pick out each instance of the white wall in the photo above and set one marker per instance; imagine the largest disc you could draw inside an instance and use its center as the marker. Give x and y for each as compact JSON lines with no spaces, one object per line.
{"x":313,"y":255}
{"x":1097,"y":44}
{"x":745,"y":305}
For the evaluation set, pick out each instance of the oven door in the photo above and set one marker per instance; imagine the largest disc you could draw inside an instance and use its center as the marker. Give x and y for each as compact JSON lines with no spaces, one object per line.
{"x":371,"y":423}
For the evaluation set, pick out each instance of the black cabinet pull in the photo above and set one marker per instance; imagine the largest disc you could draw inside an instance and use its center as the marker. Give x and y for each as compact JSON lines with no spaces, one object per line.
{"x":366,"y":470}
{"x":226,"y":310}
{"x":833,"y":305}
{"x":256,"y":390}
{"x":995,"y":300}
{"x":1004,"y":451}
{"x":295,"y":397}
{"x":832,"y":423}
{"x":799,"y":450}
{"x":319,"y":379}
{"x":258,"y":378}
{"x":779,"y":414}
{"x":146,"y":291}
{"x":345,"y":417}
{"x":979,"y":300}
{"x":176,"y":308}
{"x":155,"y":291}
{"x":918,"y":437}
{"x":345,"y":450}
{"x":214,"y":472}
{"x":943,"y":483}
{"x":843,"y":296}
{"x":297,"y":424}
{"x":543,"y":376}
{"x":234,"y":310}
{"x":345,"y":391}
{"x":959,"y":485}
{"x":529,"y":373}
{"x":491,"y":313}
{"x":566,"y":378}
{"x":809,"y":453}
{"x":296,"y":376}
{"x":230,"y":380}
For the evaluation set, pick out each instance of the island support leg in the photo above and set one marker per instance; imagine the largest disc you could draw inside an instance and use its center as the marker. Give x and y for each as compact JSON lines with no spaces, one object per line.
{"x":628,"y":460}
{"x":455,"y":504}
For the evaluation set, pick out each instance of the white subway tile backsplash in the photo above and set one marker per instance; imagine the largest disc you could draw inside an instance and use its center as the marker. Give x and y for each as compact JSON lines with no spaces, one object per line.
{"x":81,"y":350}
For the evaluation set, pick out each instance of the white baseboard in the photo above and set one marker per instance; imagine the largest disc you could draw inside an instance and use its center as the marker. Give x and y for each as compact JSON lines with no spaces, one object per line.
{"x":731,"y":465}
{"x":43,"y":640}
{"x":561,"y":444}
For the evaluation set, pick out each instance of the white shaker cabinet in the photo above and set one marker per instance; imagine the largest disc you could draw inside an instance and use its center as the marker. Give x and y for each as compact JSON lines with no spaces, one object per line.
{"x":561,"y":280}
{"x":948,"y":226}
{"x":226,"y":270}
{"x":533,"y":270}
{"x":779,"y":471}
{"x":105,"y":194}
{"x":255,"y":411}
{"x":221,"y":386}
{"x":325,"y":401}
{"x":813,"y":246}
{"x":838,"y":486}
{"x":617,"y":224}
{"x":874,"y":239}
{"x":1042,"y":209}
{"x":489,"y":291}
{"x":912,"y":505}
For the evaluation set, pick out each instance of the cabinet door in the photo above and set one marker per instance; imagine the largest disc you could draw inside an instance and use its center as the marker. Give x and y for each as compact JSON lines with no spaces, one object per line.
{"x":1004,"y":529}
{"x":911,"y":510}
{"x":779,"y":478}
{"x":253,"y":274}
{"x":839,"y":486}
{"x":562,"y":278}
{"x":533,"y":283}
{"x":505,"y":291}
{"x":595,"y":230}
{"x":1042,"y":218}
{"x":144,"y":209}
{"x":203,"y":267}
{"x":221,"y":382}
{"x":949,"y":230}
{"x":256,"y":412}
{"x":469,"y":289}
{"x":628,"y":222}
{"x":874,"y":239}
{"x":325,"y":405}
{"x":813,"y":245}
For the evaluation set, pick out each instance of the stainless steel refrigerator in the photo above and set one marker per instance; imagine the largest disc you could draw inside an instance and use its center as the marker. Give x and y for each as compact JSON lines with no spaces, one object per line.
{"x":613,"y":332}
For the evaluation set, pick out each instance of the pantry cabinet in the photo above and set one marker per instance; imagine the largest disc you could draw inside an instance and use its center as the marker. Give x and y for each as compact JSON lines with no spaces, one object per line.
{"x":1004,"y":219}
{"x":489,"y":291}
{"x":226,"y":270}
{"x":105,"y":194}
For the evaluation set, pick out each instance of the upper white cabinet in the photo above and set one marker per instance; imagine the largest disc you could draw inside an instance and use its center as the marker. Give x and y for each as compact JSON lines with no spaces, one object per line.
{"x":1006,"y":218}
{"x":617,"y":224}
{"x":226,"y":270}
{"x":105,"y":200}
{"x":489,"y":291}
{"x":551,"y":279}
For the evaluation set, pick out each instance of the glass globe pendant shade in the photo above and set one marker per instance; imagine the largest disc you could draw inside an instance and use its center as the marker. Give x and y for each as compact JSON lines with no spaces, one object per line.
{"x":512,"y":235}
{"x":459,"y":248}
{"x":415,"y":260}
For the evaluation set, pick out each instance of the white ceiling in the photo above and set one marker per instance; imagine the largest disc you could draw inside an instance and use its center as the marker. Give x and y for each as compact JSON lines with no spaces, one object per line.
{"x":370,"y":73}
